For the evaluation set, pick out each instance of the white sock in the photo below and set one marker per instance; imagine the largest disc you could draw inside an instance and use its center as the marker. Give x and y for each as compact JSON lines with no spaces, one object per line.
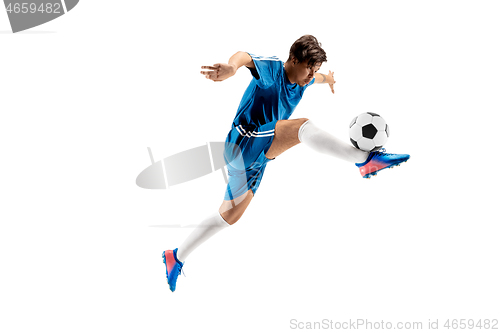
{"x":206,"y":229}
{"x":325,"y":143}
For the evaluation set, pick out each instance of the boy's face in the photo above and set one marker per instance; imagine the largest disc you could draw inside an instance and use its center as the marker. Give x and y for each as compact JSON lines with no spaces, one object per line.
{"x":302,"y":73}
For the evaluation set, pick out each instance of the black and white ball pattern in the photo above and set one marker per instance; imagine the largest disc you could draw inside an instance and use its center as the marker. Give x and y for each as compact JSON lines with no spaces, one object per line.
{"x":368,"y":131}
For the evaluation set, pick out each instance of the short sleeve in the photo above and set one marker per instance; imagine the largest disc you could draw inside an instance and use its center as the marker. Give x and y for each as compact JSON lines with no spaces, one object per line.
{"x":267,"y":70}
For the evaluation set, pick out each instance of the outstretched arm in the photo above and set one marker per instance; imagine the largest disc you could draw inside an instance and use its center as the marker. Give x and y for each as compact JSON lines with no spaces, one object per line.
{"x":323,"y":78}
{"x":220,"y":72}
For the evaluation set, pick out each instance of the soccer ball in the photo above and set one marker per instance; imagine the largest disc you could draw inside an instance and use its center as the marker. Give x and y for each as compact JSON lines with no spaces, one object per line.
{"x":368,"y":131}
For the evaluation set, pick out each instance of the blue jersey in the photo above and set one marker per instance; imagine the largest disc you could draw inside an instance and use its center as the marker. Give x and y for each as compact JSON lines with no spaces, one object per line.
{"x":270,"y":96}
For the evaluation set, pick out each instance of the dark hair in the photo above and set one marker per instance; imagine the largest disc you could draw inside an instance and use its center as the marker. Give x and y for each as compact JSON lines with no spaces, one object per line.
{"x":307,"y":48}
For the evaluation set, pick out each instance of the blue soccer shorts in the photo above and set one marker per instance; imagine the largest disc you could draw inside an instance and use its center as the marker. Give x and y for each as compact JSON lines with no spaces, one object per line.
{"x":245,"y":156}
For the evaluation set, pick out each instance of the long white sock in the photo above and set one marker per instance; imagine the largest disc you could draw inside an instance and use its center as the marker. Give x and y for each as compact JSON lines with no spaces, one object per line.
{"x":325,"y":143}
{"x":206,"y":229}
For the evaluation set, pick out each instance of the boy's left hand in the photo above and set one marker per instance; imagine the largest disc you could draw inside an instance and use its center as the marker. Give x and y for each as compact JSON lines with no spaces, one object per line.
{"x":330,"y":73}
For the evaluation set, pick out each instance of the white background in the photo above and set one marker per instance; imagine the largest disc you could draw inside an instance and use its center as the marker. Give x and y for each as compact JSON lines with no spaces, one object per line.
{"x":83,"y":96}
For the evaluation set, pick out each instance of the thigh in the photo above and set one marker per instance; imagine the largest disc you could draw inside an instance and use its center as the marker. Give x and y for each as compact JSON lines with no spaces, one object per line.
{"x":245,"y":158}
{"x":246,"y":145}
{"x":243,"y":180}
{"x":285,"y":137}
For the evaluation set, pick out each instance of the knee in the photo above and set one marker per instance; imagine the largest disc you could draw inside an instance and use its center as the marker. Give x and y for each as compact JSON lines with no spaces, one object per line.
{"x":301,"y":129}
{"x":300,"y":125}
{"x":229,"y":217}
{"x":296,"y":123}
{"x":232,"y":210}
{"x":291,"y":123}
{"x":290,"y":126}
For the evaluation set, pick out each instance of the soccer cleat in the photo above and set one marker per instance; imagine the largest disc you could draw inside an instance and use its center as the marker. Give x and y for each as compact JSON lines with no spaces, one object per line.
{"x":379,"y":160}
{"x":174,"y":267}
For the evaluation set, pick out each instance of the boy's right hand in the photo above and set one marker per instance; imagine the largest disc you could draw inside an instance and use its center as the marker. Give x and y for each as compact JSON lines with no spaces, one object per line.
{"x":219,"y":72}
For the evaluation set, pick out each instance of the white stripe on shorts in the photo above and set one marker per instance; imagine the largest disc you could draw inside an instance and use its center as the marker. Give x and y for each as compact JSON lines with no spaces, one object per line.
{"x":263,"y":132}
{"x":255,"y":134}
{"x":261,"y":135}
{"x":239,"y":131}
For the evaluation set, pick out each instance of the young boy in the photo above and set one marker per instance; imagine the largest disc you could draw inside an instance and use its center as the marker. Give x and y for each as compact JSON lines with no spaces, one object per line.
{"x":262,"y":130}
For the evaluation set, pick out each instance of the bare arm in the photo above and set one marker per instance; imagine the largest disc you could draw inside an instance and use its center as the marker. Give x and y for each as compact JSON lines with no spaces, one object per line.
{"x":324,"y":78}
{"x":241,"y":59}
{"x":220,"y":72}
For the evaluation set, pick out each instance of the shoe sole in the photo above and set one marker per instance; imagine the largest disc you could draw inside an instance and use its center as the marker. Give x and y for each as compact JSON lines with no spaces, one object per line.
{"x":369,"y":175}
{"x":165,"y":262}
{"x":166,"y":269}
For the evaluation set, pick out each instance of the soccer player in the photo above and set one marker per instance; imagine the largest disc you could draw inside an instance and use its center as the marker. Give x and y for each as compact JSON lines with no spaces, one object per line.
{"x":262,"y":130}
